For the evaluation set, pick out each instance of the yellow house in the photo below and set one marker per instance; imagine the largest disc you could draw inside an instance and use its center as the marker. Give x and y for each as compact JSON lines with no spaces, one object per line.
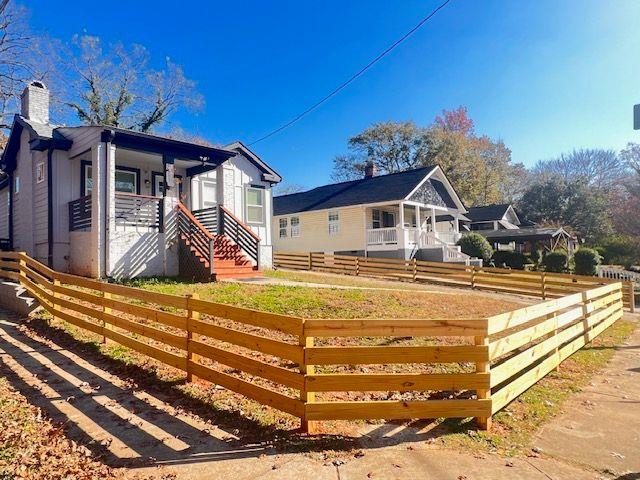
{"x":410,"y":214}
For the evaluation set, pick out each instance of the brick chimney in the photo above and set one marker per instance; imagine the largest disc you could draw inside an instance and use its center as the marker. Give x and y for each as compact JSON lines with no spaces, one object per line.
{"x":35,"y":102}
{"x":370,"y":169}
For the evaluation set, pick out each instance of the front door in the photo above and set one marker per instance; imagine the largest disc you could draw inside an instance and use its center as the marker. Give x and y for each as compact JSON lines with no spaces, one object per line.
{"x":157,"y":189}
{"x":207,"y":194}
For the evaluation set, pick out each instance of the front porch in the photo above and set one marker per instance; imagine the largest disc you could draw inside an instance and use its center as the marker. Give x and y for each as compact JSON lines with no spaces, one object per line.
{"x":134,"y":217}
{"x":409,"y":227}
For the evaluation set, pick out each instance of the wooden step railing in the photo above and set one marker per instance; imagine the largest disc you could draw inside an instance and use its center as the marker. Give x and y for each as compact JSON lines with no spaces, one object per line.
{"x":208,"y":217}
{"x":230,"y":226}
{"x":195,"y":233}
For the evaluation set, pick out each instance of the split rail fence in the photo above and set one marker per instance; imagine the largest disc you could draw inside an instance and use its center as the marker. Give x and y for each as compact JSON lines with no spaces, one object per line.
{"x":293,"y":364}
{"x":544,"y":285}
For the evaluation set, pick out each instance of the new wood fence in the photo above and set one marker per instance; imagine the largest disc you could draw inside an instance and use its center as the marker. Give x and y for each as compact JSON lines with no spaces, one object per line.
{"x":333,"y":369}
{"x":544,"y":285}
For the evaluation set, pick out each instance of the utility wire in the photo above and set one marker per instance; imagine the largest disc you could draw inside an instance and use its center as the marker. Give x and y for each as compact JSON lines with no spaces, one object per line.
{"x":355,"y":76}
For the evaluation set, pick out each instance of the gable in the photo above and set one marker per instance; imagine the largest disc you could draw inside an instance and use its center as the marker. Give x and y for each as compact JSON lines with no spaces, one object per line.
{"x":433,"y":192}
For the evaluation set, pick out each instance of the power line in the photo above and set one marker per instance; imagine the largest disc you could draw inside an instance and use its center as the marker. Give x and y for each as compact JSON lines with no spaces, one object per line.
{"x":355,"y":76}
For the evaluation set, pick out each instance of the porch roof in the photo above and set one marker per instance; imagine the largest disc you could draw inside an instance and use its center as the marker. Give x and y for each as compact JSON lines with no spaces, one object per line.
{"x":368,"y":190}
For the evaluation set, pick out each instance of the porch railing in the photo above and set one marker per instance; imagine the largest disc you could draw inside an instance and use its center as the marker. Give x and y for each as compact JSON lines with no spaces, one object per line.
{"x":239,"y":233}
{"x":139,"y":211}
{"x":382,"y":236}
{"x":449,"y":237}
{"x":80,"y":214}
{"x":199,"y":238}
{"x":208,"y":217}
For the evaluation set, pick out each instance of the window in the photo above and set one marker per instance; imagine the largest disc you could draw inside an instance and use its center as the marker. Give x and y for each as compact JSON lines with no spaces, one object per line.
{"x":375,"y":219}
{"x":254,"y":200}
{"x":40,"y":172}
{"x":126,"y":180}
{"x":334,"y":222}
{"x":283,"y":227}
{"x":295,"y":226}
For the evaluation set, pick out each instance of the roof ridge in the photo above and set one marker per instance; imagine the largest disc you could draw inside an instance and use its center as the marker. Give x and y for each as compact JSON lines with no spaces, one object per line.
{"x":357,"y":180}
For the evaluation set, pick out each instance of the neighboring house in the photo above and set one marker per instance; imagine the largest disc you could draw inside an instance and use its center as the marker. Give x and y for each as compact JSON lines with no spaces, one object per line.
{"x":506,"y":230}
{"x":393,"y":216}
{"x":109,"y":202}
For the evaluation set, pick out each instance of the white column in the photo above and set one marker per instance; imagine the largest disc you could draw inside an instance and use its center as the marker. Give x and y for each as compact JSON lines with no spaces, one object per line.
{"x":109,"y":205}
{"x":97,"y":210}
{"x":170,"y":200}
{"x":433,"y":221}
{"x":400,"y":228}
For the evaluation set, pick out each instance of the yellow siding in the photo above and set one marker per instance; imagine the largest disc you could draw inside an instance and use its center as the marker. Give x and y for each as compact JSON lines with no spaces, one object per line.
{"x":314,"y":232}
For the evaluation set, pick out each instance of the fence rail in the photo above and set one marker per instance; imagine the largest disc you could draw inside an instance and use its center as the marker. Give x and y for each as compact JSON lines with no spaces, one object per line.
{"x":492,"y":360}
{"x":544,"y":285}
{"x":139,"y":211}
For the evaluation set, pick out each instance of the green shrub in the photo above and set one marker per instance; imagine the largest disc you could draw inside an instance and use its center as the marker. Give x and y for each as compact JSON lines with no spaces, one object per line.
{"x":557,"y":261}
{"x":475,"y":245}
{"x":515,"y":260}
{"x":620,"y":250}
{"x":586,"y":260}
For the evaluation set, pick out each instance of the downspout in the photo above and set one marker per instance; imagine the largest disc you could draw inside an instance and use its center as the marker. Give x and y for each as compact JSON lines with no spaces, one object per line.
{"x":50,"y":206}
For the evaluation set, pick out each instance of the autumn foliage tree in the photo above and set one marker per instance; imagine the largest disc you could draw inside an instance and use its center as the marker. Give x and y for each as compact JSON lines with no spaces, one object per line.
{"x":479,"y":167}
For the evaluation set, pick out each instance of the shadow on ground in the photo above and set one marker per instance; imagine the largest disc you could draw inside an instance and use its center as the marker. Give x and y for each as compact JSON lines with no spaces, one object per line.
{"x":148,"y":421}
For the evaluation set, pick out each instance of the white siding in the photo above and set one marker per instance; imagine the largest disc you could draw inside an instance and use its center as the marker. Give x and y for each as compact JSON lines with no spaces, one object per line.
{"x":23,"y":225}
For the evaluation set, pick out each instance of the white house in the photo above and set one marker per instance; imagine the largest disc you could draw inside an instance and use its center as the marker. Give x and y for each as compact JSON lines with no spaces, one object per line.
{"x":410,"y":214}
{"x":109,"y":202}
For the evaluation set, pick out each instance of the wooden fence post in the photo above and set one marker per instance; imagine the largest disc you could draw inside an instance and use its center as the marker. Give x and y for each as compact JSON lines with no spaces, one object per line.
{"x":414,"y":267}
{"x":191,"y":316}
{"x":543,"y":285}
{"x":357,"y":266}
{"x":473,"y":276}
{"x":632,"y":299}
{"x":106,"y":296}
{"x":22,"y":263}
{"x":56,"y":294}
{"x":306,"y":396}
{"x":310,"y":262}
{"x":484,"y":423}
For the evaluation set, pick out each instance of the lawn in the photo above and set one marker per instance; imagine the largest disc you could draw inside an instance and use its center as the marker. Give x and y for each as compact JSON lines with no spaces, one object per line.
{"x":337,"y":302}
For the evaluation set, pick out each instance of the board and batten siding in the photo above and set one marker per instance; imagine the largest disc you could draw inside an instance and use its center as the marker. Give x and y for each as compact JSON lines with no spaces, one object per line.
{"x":4,"y":212}
{"x":23,"y":199}
{"x":314,"y":231}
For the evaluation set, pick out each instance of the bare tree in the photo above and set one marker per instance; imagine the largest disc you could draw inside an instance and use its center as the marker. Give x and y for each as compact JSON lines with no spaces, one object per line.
{"x":598,"y":167}
{"x":17,"y":61}
{"x":288,"y":189}
{"x":115,"y":86}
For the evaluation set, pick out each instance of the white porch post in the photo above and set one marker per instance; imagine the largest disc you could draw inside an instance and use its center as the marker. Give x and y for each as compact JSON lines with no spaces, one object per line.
{"x":110,"y":205}
{"x":103,"y":162}
{"x":433,"y":221}
{"x":418,"y":222}
{"x":400,"y":228}
{"x":170,"y":199}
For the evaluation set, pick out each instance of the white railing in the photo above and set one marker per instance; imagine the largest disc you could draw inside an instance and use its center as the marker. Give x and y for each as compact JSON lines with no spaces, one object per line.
{"x":617,"y":273}
{"x":449,"y":237}
{"x":382,"y":236}
{"x":450,"y":253}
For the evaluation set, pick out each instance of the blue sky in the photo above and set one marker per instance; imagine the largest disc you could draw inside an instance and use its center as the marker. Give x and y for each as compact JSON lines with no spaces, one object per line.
{"x":544,"y":76}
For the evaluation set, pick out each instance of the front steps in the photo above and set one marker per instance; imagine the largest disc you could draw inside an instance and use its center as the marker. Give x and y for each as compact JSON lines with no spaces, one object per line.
{"x":228,"y":262}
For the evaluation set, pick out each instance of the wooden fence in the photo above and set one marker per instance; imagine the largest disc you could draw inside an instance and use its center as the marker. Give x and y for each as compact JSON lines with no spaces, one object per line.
{"x":332,"y":369}
{"x":544,"y":285}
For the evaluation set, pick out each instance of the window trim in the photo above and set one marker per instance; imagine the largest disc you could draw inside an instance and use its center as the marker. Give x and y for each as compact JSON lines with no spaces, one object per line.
{"x":83,"y":176}
{"x":247,"y":206}
{"x":298,"y":229}
{"x":284,"y":228}
{"x":40,"y":177}
{"x":333,"y":223}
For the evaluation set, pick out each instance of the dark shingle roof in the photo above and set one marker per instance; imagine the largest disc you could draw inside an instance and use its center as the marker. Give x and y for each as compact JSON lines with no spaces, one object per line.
{"x":383,"y":188}
{"x":487,"y":212}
